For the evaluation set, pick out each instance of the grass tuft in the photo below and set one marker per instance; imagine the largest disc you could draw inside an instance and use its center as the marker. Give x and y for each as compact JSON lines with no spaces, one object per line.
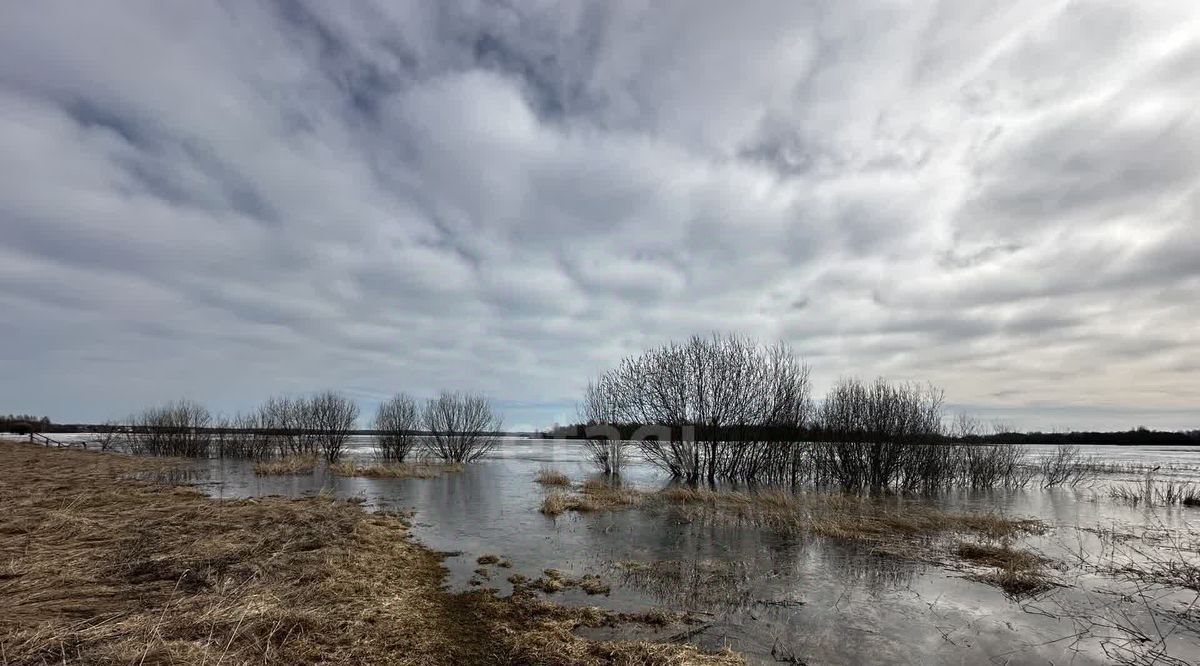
{"x":395,"y":470}
{"x":291,"y":465}
{"x":552,"y":477}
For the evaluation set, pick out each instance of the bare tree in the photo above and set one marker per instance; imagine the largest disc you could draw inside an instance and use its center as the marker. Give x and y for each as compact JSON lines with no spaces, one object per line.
{"x":878,"y":435}
{"x":461,"y":426}
{"x":397,"y":421}
{"x":178,"y":428}
{"x":723,"y":407}
{"x":110,"y":435}
{"x":965,"y":426}
{"x":330,"y":418}
{"x":599,"y":411}
{"x":1067,"y":465}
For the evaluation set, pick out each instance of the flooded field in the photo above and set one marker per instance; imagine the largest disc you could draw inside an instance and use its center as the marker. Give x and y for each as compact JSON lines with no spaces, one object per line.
{"x":1122,"y":574}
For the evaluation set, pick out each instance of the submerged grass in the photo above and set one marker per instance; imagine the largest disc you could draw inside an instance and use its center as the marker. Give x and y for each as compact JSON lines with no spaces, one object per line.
{"x":893,"y":526}
{"x":102,"y":569}
{"x":395,"y":470}
{"x":290,"y":465}
{"x":1019,"y":573}
{"x":836,"y":515}
{"x":554,"y":580}
{"x":1153,"y":492}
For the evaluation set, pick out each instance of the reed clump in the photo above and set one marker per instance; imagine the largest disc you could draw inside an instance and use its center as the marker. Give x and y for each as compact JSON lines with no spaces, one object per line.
{"x":551,"y":477}
{"x":108,"y":569}
{"x":294,"y":465}
{"x":593,"y":496}
{"x":1153,"y":492}
{"x":385,"y":470}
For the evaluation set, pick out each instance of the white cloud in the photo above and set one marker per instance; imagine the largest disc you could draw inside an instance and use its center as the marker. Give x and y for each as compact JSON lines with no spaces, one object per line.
{"x":224,"y":201}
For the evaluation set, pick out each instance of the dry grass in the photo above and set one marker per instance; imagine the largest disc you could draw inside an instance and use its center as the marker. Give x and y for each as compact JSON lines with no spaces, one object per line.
{"x":594,"y":585}
{"x":1153,"y":492}
{"x":553,"y":580}
{"x":552,"y":477}
{"x":1018,"y":573}
{"x":395,"y":470}
{"x":291,"y":465}
{"x":99,"y":568}
{"x":595,"y":496}
{"x":998,"y":555}
{"x":555,"y":504}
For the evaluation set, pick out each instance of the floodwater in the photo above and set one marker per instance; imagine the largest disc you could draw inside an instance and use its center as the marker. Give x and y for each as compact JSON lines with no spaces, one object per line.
{"x":795,"y":599}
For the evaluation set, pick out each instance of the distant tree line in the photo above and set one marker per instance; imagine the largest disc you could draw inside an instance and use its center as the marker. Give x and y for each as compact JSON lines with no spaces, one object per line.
{"x":1133,"y":437}
{"x":24,"y":423}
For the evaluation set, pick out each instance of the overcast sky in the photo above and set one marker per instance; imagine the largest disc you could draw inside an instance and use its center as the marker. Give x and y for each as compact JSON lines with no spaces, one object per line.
{"x":224,"y":201}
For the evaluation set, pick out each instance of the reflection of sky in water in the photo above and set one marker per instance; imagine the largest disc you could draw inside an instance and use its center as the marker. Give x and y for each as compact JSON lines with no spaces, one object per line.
{"x":823,"y":601}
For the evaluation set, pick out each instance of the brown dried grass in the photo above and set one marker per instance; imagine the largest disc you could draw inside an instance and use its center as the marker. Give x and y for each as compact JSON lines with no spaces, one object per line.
{"x":1019,"y":573}
{"x":290,"y":465}
{"x":421,"y":470}
{"x":104,"y":569}
{"x":551,"y":477}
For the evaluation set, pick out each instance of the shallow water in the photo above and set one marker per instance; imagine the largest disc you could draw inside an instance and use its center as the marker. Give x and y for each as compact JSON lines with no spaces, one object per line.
{"x":777,"y":598}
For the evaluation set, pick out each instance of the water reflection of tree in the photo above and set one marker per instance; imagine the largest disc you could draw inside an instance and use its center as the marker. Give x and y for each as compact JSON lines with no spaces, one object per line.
{"x":709,"y":585}
{"x":725,"y":568}
{"x":871,"y":572}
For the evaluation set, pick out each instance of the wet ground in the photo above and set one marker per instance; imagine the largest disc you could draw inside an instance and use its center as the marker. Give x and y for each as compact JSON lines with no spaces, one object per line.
{"x":788,"y":599}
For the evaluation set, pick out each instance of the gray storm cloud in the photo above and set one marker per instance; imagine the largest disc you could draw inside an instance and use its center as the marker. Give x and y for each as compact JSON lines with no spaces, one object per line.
{"x":228,"y":200}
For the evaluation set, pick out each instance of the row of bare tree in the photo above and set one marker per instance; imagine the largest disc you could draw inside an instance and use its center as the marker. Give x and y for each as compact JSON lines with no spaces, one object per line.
{"x":458,"y":427}
{"x":726,"y":407}
{"x":455,"y":427}
{"x":320,"y":423}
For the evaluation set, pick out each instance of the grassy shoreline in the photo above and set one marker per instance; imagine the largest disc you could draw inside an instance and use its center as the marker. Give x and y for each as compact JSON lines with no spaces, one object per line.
{"x":98,"y":568}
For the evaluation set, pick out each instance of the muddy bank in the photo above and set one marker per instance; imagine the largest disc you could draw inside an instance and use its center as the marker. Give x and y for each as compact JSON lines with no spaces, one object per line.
{"x":97,"y":566}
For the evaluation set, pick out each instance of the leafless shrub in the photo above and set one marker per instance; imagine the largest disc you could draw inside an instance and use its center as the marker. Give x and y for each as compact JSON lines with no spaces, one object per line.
{"x":995,"y":465}
{"x":462,"y":427}
{"x":288,"y":426}
{"x":111,"y":436}
{"x":878,"y":436}
{"x":177,"y":428}
{"x":599,"y":410}
{"x":397,"y":421}
{"x":723,"y":407}
{"x":331,"y":416}
{"x":1066,"y":466}
{"x":965,"y":425}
